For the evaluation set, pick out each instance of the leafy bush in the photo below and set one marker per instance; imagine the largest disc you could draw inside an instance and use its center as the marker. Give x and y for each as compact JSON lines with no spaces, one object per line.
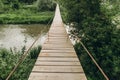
{"x":25,"y":17}
{"x":8,"y":60}
{"x":45,"y":5}
{"x":98,"y":33}
{"x":27,"y":1}
{"x":15,"y":5}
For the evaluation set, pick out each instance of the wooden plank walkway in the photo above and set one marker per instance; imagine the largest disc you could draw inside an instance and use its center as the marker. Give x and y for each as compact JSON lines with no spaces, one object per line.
{"x":58,"y":59}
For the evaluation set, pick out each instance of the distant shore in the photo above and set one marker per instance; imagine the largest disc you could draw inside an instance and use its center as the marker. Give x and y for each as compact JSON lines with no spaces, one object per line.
{"x":26,"y":17}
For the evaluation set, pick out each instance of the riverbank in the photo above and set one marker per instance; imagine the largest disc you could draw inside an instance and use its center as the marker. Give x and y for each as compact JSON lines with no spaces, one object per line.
{"x":26,"y":17}
{"x":8,"y":59}
{"x":16,"y":36}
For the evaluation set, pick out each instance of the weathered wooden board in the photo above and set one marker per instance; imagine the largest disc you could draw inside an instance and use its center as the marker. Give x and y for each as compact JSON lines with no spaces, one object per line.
{"x":58,"y":59}
{"x":57,"y":76}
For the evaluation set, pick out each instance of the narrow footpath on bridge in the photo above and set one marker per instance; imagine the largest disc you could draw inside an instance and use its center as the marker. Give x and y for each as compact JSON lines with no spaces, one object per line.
{"x":57,"y":59}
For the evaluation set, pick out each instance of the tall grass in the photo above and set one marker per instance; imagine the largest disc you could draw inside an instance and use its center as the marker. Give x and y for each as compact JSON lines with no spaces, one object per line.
{"x":8,"y":60}
{"x":18,"y":12}
{"x":25,"y":17}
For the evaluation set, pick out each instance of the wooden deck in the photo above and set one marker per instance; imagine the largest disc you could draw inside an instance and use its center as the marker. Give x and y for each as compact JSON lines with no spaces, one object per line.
{"x":58,"y":59}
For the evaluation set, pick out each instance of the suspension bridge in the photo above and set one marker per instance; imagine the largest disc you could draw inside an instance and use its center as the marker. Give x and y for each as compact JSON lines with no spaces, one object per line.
{"x":57,"y":59}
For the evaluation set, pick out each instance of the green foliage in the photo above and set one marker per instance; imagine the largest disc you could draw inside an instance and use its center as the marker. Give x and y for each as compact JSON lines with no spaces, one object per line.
{"x":81,"y":9}
{"x":15,"y":5}
{"x":24,"y":12}
{"x":8,"y":60}
{"x":27,"y":1}
{"x":43,"y":5}
{"x":25,"y":17}
{"x":1,"y":4}
{"x":90,"y":70}
{"x":34,"y":52}
{"x":96,"y":30}
{"x":22,"y":1}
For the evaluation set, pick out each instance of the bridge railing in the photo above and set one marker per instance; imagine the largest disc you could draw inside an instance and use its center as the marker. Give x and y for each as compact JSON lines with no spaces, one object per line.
{"x":25,"y":54}
{"x":103,"y":73}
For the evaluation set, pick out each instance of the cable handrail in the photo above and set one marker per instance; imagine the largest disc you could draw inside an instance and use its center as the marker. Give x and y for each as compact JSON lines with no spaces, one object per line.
{"x":94,"y":60}
{"x":22,"y":58}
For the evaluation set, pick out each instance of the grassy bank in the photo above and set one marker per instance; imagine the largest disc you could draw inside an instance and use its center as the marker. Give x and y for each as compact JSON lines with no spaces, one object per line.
{"x":25,"y":17}
{"x":26,"y":11}
{"x":8,"y":60}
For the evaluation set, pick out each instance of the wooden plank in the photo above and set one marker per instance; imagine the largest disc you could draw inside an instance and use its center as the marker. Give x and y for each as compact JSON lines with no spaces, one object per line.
{"x":62,"y":69}
{"x":54,"y":48}
{"x":57,"y":46}
{"x":58,"y":51}
{"x":38,"y":63}
{"x":56,"y":42}
{"x":57,"y":54}
{"x":57,"y":59}
{"x":57,"y":76}
{"x":52,"y":42}
{"x":52,"y":45}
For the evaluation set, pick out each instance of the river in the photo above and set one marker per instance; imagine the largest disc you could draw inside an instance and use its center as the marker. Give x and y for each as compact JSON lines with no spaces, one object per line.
{"x":18,"y":36}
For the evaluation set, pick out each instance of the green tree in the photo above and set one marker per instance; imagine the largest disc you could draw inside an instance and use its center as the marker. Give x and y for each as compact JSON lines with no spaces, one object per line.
{"x":1,"y":4}
{"x":43,"y":5}
{"x":27,"y":1}
{"x":96,"y":31}
{"x":15,"y":4}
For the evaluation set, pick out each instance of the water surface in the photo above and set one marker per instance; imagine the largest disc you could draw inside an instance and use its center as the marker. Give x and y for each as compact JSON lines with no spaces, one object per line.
{"x":18,"y":36}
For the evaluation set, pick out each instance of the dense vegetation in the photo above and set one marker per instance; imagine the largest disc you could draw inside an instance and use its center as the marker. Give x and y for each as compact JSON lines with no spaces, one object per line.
{"x":22,"y":12}
{"x":96,"y":27}
{"x":26,"y":11}
{"x":8,"y":59}
{"x":95,"y":23}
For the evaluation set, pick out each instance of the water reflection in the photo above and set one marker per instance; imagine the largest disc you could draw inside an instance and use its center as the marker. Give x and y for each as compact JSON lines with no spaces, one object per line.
{"x":34,"y":30}
{"x":17,"y":36}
